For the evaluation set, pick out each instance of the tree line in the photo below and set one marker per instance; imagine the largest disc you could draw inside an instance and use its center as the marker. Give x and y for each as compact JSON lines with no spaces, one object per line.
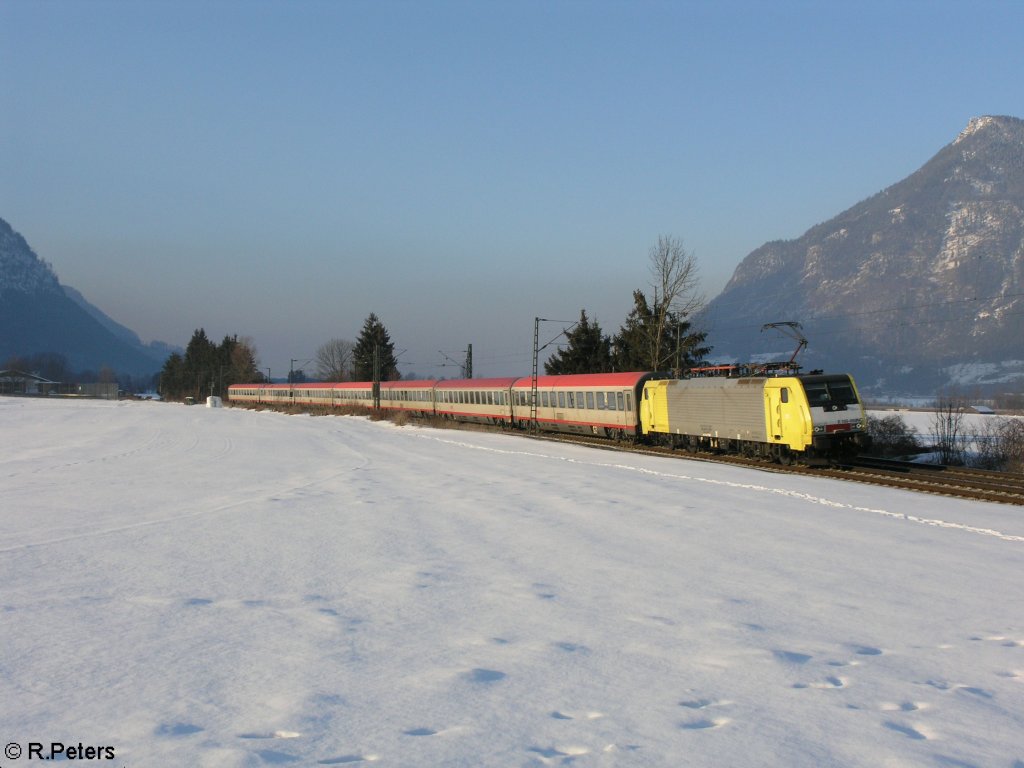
{"x":656,"y":336}
{"x":208,"y":368}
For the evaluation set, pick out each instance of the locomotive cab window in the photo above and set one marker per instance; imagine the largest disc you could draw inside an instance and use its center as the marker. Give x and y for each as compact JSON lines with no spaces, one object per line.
{"x":826,"y":391}
{"x":784,"y":394}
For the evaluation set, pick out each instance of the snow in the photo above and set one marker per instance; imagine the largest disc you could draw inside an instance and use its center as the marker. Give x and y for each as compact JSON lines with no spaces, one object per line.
{"x":974,"y":125}
{"x":218,"y":587}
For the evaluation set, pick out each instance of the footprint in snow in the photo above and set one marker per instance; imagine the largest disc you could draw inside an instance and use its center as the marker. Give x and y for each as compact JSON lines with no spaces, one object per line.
{"x":572,"y":647}
{"x":544,"y":591}
{"x":551,"y":753}
{"x":701,"y":703}
{"x":831,"y":682}
{"x":705,"y":724}
{"x":906,"y":730}
{"x":867,"y":650}
{"x":945,"y":685}
{"x":792,"y":657}
{"x":270,"y":735}
{"x":903,"y":706}
{"x":177,"y":729}
{"x":558,"y":715}
{"x":484,"y":676}
{"x":1003,"y":640}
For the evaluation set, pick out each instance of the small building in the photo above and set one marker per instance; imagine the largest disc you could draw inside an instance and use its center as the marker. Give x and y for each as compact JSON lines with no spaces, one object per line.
{"x":983,"y":409}
{"x":14,"y":382}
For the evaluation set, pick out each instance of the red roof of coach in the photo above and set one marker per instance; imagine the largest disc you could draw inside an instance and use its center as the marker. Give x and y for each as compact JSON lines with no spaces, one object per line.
{"x":630,"y":379}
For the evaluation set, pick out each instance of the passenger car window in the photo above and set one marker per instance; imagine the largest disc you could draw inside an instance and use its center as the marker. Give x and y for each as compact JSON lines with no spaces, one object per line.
{"x":561,"y":399}
{"x":619,"y":398}
{"x":590,"y":400}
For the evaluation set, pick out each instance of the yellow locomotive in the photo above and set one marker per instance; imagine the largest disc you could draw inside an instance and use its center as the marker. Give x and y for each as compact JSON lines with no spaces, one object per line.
{"x":775,"y":417}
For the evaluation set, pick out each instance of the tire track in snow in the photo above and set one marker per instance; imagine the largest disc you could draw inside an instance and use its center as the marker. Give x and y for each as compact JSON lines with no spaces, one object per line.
{"x":800,"y":495}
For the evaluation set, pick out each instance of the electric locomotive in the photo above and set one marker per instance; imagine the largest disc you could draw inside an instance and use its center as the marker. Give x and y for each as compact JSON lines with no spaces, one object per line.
{"x":812,"y":416}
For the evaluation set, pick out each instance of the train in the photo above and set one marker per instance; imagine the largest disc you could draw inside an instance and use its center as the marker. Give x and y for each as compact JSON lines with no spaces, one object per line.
{"x":783,"y":418}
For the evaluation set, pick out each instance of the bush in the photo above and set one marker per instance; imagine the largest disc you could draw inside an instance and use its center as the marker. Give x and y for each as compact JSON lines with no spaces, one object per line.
{"x":1001,"y":446}
{"x":1012,"y":434}
{"x":890,"y":436}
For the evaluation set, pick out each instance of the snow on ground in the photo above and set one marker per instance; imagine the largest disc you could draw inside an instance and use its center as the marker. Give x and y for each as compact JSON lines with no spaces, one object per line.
{"x":229,"y":588}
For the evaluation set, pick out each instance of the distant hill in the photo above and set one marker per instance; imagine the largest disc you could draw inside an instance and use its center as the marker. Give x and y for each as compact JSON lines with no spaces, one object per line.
{"x":38,"y":315}
{"x":159,"y":351}
{"x":918,"y":288}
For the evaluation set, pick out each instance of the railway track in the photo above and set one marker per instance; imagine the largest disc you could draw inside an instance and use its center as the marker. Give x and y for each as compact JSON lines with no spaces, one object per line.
{"x":957,"y":482}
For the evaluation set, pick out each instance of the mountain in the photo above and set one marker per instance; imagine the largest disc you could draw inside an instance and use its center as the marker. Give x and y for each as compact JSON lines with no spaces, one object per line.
{"x":918,"y":288}
{"x":159,"y":351}
{"x":38,"y":315}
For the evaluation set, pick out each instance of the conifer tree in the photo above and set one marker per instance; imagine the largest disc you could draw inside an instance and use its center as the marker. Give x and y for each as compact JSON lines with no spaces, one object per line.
{"x":587,"y":351}
{"x":207,"y":368}
{"x":200,"y":368}
{"x":374,"y":336}
{"x":656,"y":339}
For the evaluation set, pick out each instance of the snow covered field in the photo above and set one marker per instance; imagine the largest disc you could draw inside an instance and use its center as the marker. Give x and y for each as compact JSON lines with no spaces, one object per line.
{"x":199,"y":587}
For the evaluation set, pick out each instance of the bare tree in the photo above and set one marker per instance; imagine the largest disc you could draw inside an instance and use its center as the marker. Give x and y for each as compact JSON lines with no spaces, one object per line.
{"x":334,"y":360}
{"x":1000,"y":445}
{"x":947,"y":428}
{"x":1011,"y":436}
{"x":675,"y":282}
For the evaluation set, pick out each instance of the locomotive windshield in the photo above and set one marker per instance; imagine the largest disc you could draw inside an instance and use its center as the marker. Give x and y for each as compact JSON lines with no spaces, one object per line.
{"x":826,"y":391}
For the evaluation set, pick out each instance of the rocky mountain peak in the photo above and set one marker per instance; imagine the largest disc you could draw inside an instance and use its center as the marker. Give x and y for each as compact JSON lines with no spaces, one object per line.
{"x":1010,"y":127}
{"x":21,"y":270}
{"x":923,"y":276}
{"x":38,"y":317}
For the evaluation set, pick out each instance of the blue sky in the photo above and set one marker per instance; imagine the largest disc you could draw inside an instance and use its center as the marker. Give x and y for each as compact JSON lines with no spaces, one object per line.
{"x":280,"y":170}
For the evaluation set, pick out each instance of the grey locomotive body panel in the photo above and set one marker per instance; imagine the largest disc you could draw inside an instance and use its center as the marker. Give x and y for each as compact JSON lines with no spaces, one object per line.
{"x":715,"y":407}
